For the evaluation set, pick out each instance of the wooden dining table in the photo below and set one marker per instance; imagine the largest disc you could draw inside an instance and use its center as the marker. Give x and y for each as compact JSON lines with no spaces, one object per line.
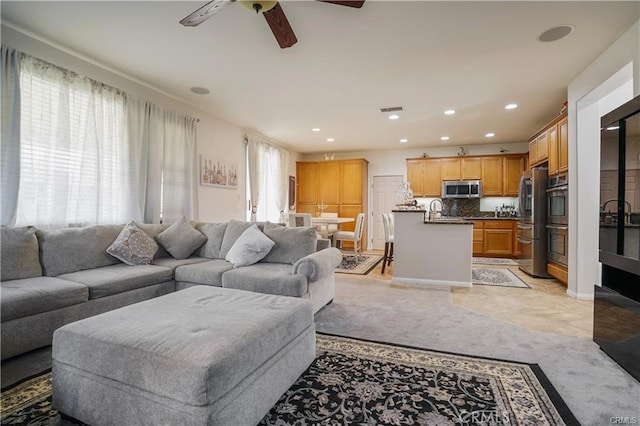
{"x":324,"y":222}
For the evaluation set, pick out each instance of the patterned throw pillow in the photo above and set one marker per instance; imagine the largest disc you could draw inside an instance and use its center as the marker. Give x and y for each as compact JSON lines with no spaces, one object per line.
{"x":133,"y":246}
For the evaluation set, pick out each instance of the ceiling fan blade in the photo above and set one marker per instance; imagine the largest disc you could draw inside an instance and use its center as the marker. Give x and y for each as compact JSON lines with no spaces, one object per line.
{"x":280,"y":27}
{"x":205,"y":12}
{"x":350,"y":3}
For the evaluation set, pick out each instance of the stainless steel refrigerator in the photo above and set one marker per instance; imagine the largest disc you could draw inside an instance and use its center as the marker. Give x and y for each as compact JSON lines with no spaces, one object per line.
{"x":532,"y":234}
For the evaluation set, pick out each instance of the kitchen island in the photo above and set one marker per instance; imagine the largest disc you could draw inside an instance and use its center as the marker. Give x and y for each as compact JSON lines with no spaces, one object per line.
{"x":437,"y":252}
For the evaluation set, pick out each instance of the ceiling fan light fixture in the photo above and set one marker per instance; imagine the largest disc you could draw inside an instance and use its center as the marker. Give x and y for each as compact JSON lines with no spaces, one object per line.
{"x":259,"y":5}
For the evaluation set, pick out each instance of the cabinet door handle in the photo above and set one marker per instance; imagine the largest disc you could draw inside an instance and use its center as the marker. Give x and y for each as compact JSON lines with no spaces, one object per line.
{"x":520,"y":240}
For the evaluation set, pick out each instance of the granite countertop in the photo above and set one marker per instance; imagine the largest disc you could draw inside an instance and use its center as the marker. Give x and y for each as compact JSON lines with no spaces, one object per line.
{"x":490,"y":218}
{"x":448,"y":221}
{"x":409,"y":211}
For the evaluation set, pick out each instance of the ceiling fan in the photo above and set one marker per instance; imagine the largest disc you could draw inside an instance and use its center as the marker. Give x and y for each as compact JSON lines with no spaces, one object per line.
{"x":271,"y":10}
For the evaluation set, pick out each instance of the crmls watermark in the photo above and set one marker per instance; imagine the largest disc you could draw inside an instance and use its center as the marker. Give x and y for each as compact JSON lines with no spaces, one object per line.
{"x":616,"y":420}
{"x":487,"y":417}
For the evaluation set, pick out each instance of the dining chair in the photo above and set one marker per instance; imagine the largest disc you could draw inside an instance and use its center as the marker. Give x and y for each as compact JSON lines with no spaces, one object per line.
{"x":387,"y":224}
{"x":330,"y":229}
{"x":354,"y":236}
{"x":300,"y":219}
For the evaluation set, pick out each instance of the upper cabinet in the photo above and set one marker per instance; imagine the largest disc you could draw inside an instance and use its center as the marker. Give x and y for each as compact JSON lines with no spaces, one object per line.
{"x":551,"y":145}
{"x":424,"y":176}
{"x":492,"y":176}
{"x":500,"y":174}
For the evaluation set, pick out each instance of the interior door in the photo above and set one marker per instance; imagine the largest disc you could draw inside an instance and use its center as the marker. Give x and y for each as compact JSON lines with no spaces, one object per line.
{"x":384,"y":200}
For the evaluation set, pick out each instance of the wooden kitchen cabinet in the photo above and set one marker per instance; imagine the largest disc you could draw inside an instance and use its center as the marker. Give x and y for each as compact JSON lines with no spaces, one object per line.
{"x":513,"y":165}
{"x":478,"y":238}
{"x":415,"y":176}
{"x":563,"y":145}
{"x":471,"y":168}
{"x":306,"y":185}
{"x":424,"y":176}
{"x":550,"y":145}
{"x":492,"y":176}
{"x":328,"y":188}
{"x":498,"y":237}
{"x":432,"y":178}
{"x":450,"y":168}
{"x":353,"y":181}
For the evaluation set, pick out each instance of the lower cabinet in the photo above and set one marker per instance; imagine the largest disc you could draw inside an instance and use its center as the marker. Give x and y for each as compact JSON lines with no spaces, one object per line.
{"x":494,"y":238}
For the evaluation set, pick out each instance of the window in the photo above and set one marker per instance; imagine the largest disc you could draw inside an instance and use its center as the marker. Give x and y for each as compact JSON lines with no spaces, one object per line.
{"x":73,"y":149}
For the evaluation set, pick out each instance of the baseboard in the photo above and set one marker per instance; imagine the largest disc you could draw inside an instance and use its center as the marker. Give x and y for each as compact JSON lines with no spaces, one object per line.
{"x":580,"y":296}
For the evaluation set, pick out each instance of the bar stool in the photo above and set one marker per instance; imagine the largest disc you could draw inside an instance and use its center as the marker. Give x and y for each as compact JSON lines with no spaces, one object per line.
{"x":387,"y":224}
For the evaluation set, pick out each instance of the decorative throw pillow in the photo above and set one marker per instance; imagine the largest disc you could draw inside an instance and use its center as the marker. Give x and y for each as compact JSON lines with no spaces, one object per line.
{"x":133,"y":246}
{"x":181,"y":239}
{"x":291,"y":244}
{"x":249,"y":248}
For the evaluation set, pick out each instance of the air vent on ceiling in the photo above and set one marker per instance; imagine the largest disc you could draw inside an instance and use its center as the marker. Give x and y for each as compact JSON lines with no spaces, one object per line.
{"x":391,"y":109}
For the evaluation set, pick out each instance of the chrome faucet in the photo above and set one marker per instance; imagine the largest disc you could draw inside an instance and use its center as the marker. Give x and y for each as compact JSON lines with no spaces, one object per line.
{"x":626,"y":203}
{"x":432,"y":211}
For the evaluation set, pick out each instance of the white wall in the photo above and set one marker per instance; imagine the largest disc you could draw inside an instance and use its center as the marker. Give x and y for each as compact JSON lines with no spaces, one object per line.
{"x":217,"y":139}
{"x":588,"y":100}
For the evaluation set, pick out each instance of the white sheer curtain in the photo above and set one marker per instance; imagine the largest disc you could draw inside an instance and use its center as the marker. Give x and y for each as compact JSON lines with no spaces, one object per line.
{"x":268,"y":180}
{"x":79,"y":152}
{"x":10,"y":139}
{"x":74,"y":152}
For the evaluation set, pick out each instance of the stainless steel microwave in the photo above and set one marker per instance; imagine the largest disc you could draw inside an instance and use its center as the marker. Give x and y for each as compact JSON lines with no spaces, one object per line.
{"x":462,"y":189}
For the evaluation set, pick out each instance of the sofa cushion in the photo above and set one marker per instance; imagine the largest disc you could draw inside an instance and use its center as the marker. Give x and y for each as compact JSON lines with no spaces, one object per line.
{"x":31,"y":296}
{"x":249,"y":248}
{"x":19,"y":253}
{"x":181,"y":239}
{"x":133,"y":246}
{"x":115,"y":279}
{"x":215,"y":234}
{"x":74,"y":249}
{"x":270,"y":278}
{"x":171,"y":263}
{"x":291,"y":244}
{"x":207,"y":273}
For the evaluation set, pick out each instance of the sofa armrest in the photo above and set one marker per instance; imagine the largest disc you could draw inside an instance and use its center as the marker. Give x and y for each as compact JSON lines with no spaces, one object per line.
{"x":318,"y":264}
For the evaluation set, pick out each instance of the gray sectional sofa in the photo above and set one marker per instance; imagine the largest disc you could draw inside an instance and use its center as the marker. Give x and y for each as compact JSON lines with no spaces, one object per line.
{"x":54,"y":277}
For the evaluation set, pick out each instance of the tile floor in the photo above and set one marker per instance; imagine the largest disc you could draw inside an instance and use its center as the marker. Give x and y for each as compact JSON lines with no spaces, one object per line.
{"x":544,"y":307}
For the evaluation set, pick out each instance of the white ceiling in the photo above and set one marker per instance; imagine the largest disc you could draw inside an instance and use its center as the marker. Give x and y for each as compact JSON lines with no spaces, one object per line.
{"x":474,"y":57}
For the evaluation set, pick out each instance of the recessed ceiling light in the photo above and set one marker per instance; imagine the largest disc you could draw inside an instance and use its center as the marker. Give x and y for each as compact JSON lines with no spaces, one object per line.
{"x":511,"y":106}
{"x":315,"y":129}
{"x":450,"y":112}
{"x":330,"y":139}
{"x":404,"y":140}
{"x":489,"y":135}
{"x":394,"y":117}
{"x":613,"y":127}
{"x":555,"y":33}
{"x":444,"y":138}
{"x":200,"y":90}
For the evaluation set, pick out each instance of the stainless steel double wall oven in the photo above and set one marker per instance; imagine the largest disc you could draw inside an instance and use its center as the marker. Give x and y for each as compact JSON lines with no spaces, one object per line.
{"x":558,"y":220}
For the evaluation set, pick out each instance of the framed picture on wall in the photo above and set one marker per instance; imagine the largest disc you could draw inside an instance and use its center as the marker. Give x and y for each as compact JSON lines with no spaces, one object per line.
{"x":218,"y":173}
{"x":292,"y":192}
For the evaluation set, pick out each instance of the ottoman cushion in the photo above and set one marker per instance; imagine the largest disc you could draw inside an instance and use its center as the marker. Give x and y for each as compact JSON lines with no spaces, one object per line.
{"x":192,"y":346}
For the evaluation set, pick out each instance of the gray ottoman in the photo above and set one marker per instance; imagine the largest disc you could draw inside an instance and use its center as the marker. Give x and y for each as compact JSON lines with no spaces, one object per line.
{"x":200,"y":356}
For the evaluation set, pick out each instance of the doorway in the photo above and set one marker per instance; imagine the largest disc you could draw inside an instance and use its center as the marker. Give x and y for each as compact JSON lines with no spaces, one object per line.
{"x":384,"y":200}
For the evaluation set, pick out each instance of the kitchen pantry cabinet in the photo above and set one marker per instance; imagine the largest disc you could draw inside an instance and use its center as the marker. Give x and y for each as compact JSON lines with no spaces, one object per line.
{"x":341,"y":185}
{"x":424,"y":176}
{"x":500,"y":174}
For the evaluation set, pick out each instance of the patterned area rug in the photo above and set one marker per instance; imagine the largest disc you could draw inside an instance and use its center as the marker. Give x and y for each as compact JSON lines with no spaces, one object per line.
{"x":359,"y":382}
{"x":493,"y":261}
{"x":367,"y":262}
{"x":497,"y":277}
